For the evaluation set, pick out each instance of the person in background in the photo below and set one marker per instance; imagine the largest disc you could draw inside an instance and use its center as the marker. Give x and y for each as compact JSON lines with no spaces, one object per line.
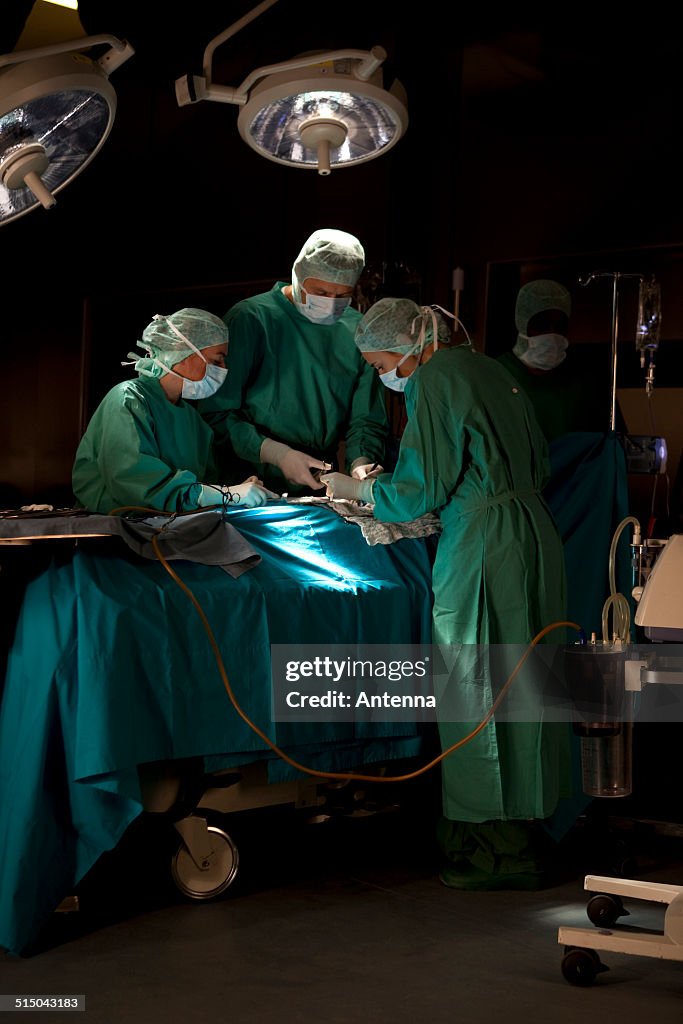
{"x":297,"y":385}
{"x":472,"y":452}
{"x":146,"y":445}
{"x":565,"y":397}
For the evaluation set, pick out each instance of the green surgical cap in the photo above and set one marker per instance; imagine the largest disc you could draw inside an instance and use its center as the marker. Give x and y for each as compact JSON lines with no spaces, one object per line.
{"x":203,"y":329}
{"x":332,"y":256}
{"x":537,"y":297}
{"x":393,"y":325}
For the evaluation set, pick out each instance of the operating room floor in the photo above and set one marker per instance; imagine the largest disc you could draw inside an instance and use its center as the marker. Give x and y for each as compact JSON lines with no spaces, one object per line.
{"x":338,"y":922}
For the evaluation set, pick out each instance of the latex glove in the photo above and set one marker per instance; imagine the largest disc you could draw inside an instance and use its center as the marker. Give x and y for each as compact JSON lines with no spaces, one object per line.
{"x":339,"y":485}
{"x":247,"y":495}
{"x":295,"y":466}
{"x":250,"y":494}
{"x":365,"y":470}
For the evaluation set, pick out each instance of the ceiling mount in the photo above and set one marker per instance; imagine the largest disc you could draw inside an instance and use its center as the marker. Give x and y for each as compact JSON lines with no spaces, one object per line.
{"x":317,"y":111}
{"x":57,"y":107}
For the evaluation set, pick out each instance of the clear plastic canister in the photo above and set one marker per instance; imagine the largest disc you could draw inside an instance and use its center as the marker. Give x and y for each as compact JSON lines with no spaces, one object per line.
{"x":606,"y":763}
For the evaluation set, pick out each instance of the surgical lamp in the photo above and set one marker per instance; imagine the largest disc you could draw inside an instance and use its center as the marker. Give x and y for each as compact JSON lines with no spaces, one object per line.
{"x":319,"y":110}
{"x":56,"y":110}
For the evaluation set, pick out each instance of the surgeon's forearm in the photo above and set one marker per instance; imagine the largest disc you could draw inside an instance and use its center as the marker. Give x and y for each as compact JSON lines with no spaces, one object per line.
{"x":368,"y":426}
{"x":399,"y":504}
{"x":365,"y":440}
{"x":180,"y":492}
{"x":245,"y":438}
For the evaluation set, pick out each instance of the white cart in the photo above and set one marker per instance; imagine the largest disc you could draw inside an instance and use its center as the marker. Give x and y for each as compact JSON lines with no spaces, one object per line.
{"x":581,"y":963}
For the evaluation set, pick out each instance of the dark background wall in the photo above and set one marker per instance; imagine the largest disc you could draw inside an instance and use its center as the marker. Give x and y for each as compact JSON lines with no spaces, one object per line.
{"x":536,"y":144}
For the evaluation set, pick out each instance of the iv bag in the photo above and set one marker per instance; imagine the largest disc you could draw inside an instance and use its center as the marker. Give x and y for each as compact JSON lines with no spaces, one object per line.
{"x":649,"y":315}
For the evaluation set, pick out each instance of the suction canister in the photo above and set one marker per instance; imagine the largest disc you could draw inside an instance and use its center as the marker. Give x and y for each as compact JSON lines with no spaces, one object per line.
{"x":602,"y":715}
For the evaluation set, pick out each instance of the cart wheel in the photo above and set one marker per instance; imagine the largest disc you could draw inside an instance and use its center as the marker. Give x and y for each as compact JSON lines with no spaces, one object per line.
{"x":580,"y":966}
{"x":217,"y":873}
{"x":604,"y":909}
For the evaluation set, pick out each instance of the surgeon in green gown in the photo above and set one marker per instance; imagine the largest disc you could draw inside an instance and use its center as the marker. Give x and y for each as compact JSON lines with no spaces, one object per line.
{"x":298,"y":387}
{"x":146,"y":445}
{"x":472,"y":451}
{"x":567,"y":392}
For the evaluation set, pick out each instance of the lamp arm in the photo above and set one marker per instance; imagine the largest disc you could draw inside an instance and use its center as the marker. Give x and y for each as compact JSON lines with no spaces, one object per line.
{"x":114,"y":58}
{"x":225,"y":35}
{"x":371,"y":60}
{"x":120,"y":51}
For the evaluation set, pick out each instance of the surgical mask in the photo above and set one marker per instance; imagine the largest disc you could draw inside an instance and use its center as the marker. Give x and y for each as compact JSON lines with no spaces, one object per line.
{"x":208,"y":385}
{"x":391,"y":379}
{"x":196,"y":389}
{"x":322,"y":309}
{"x":545,"y":351}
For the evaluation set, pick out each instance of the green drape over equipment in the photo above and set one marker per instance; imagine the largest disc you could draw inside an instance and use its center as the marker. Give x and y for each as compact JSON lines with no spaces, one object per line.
{"x":588,"y":495}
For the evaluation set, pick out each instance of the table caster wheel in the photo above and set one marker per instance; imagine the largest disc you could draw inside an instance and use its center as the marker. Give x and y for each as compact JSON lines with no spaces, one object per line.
{"x":217,"y":872}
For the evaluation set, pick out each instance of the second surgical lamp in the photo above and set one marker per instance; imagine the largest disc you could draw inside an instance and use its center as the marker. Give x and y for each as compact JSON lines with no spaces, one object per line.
{"x":56,"y":110}
{"x":318,"y":111}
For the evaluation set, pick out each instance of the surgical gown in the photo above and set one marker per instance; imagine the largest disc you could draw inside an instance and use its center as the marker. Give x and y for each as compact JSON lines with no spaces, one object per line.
{"x":141,"y":449}
{"x":473,"y":451}
{"x":298,"y":382}
{"x":565,"y":399}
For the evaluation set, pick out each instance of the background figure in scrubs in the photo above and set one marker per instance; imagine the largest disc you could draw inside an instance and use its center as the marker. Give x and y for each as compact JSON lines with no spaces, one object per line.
{"x":472,"y":451}
{"x":146,"y":445}
{"x":297,"y":385}
{"x":565,"y":396}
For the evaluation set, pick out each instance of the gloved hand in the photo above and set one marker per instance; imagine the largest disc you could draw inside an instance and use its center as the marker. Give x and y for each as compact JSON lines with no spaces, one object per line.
{"x":339,"y":485}
{"x":246,"y":495}
{"x":250,"y":494}
{"x":361,"y":470}
{"x":295,"y":466}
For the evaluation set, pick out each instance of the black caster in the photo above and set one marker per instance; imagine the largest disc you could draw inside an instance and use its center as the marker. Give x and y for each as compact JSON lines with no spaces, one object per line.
{"x":581,"y":966}
{"x":604,"y":909}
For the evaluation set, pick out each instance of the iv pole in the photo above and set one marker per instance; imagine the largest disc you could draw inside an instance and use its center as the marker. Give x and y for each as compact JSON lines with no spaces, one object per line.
{"x":616,"y":276}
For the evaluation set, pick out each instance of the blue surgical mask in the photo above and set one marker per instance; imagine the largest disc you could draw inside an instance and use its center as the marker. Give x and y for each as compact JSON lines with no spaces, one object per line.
{"x":322,"y":309}
{"x":207,"y":386}
{"x":545,"y":351}
{"x":204,"y":388}
{"x":391,"y":379}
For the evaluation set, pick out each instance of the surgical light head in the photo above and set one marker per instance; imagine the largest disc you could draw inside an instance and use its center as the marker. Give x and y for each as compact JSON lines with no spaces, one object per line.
{"x":394,"y":325}
{"x":328,"y":255}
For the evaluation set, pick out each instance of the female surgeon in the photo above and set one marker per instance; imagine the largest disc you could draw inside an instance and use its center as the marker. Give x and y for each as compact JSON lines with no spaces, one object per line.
{"x":473,"y":452}
{"x":145,"y":444}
